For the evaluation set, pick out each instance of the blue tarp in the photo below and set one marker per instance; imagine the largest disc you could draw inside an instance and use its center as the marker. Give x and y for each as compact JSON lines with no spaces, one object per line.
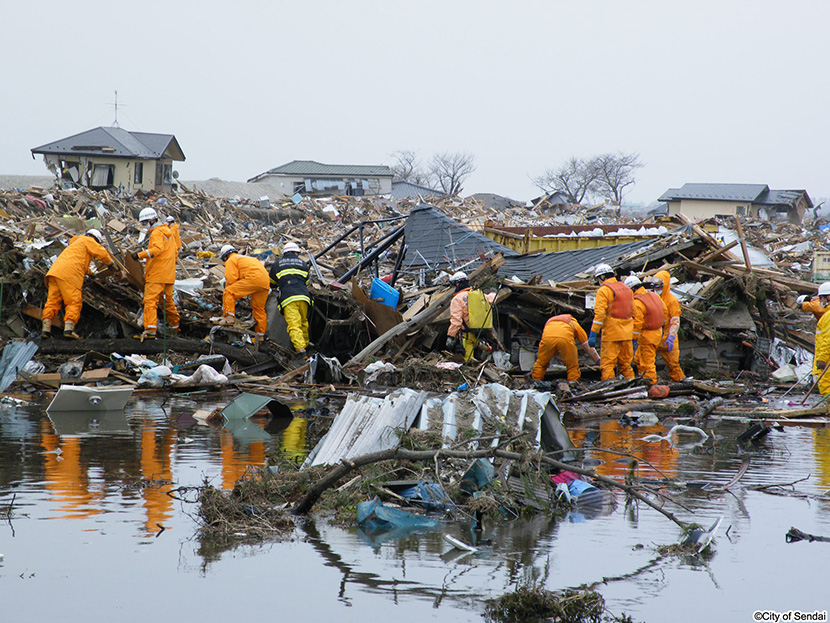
{"x":375,"y":518}
{"x":429,"y":495}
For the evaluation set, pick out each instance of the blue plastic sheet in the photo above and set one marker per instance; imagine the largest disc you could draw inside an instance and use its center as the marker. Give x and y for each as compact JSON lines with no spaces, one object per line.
{"x":375,"y":518}
{"x":479,"y":475}
{"x":429,"y":495}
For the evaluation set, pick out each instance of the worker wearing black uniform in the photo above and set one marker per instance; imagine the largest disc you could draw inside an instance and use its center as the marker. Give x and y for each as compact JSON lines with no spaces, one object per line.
{"x":290,"y":275}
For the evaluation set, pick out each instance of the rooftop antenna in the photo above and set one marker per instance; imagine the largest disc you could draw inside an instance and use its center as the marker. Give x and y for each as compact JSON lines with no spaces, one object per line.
{"x":115,"y":105}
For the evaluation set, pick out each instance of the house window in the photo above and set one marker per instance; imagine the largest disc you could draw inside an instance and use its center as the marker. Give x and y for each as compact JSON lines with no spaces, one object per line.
{"x":102,"y":175}
{"x":299,"y":187}
{"x":740,"y":210}
{"x":164,"y":174}
{"x":138,"y":178}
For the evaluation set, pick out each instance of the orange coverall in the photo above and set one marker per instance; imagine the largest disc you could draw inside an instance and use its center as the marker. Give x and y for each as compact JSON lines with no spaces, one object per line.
{"x":814,"y":307}
{"x":460,"y":320}
{"x":159,"y":276}
{"x":246,"y":276}
{"x":672,"y":358}
{"x":647,"y":339}
{"x":65,"y":278}
{"x":558,"y":340}
{"x":617,"y":334}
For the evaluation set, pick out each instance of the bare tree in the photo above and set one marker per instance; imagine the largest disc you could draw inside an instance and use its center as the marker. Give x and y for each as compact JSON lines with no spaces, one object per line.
{"x":406,"y":164}
{"x":576,"y":178}
{"x":450,"y":170}
{"x":615,"y":172}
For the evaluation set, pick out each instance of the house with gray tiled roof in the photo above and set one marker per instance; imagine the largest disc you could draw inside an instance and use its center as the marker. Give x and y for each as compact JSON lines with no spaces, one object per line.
{"x":111,"y":157}
{"x":308,"y":177}
{"x":702,"y":201}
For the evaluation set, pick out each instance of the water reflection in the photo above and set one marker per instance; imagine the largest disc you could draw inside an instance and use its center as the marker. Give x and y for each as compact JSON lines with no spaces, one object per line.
{"x":108,"y":474}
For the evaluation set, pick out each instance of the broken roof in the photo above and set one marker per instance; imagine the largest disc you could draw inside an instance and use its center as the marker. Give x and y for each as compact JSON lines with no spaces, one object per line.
{"x":402,"y":189}
{"x":116,"y":143}
{"x":566,"y":265}
{"x":435,"y":239}
{"x":716,"y":192}
{"x":783,"y":198}
{"x":318,"y":169}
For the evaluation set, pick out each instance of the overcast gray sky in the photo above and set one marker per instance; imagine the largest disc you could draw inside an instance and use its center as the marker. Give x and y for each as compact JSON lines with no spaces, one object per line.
{"x":727,"y":91}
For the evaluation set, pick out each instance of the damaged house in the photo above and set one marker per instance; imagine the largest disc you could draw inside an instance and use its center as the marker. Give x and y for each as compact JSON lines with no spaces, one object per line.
{"x":114,"y":158}
{"x":314,"y":178}
{"x":757,"y":201}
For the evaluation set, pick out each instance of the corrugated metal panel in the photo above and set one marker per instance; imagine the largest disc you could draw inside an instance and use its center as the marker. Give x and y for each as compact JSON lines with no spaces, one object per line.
{"x":15,"y":356}
{"x":310,"y":167}
{"x":368,"y":424}
{"x":436,"y":238}
{"x":407,"y":190}
{"x":566,"y":265}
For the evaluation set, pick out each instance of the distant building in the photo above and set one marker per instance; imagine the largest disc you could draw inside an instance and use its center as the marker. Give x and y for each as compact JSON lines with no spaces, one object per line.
{"x":114,"y":158}
{"x":702,"y":201}
{"x":551,"y":200}
{"x":497,"y":202}
{"x":315,"y":178}
{"x":401,"y":189}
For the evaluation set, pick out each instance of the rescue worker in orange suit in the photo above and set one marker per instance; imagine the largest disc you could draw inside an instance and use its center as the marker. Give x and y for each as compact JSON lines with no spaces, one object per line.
{"x":65,"y":281}
{"x":650,"y":317}
{"x":558,"y":338}
{"x":290,"y":274}
{"x":245,"y":276}
{"x":811,"y":305}
{"x":669,"y":349}
{"x":159,"y":274}
{"x":613,"y":318}
{"x":460,"y":317}
{"x":822,"y":352}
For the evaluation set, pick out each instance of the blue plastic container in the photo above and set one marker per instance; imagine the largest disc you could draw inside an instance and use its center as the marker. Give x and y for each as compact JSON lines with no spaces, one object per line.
{"x":382,"y":292}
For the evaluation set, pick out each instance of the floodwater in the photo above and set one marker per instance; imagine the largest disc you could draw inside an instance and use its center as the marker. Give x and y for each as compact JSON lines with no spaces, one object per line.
{"x":89,"y":498}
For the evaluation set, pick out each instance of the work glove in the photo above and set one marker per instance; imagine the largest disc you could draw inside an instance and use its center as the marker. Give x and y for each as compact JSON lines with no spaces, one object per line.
{"x":451,"y":344}
{"x":801,"y":299}
{"x":670,"y":343}
{"x":592,"y":339}
{"x":134,"y":255}
{"x":820,"y":365}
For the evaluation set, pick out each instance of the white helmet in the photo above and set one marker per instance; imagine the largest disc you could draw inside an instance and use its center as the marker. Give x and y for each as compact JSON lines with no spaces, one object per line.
{"x":603,"y":269}
{"x":459,"y":276}
{"x":291,"y":247}
{"x":654,"y":283}
{"x":225,"y":251}
{"x":632,"y":281}
{"x":824,"y":289}
{"x":94,"y":233}
{"x":170,"y":219}
{"x":147,"y":214}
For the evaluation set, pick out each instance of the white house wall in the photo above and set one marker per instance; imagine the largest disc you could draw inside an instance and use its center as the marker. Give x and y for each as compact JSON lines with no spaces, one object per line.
{"x":699,"y":209}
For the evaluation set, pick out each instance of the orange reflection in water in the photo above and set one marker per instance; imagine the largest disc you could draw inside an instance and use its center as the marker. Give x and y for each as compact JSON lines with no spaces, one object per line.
{"x":613,"y":436}
{"x":157,"y":475}
{"x":65,"y":477}
{"x":235,"y":462}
